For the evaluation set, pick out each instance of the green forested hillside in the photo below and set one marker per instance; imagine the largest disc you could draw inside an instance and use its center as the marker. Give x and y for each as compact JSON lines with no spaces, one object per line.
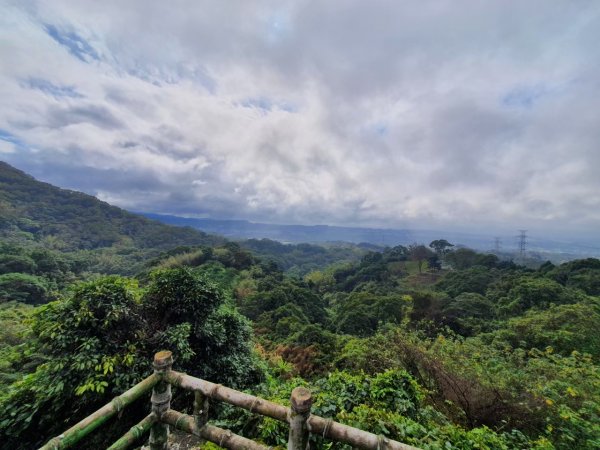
{"x":438,"y":347}
{"x":482,"y":354}
{"x":300,"y":259}
{"x":69,"y":220}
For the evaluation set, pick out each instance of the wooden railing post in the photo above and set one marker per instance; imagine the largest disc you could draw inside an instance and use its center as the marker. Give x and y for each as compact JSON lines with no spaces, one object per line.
{"x":298,"y":416}
{"x":161,"y":400}
{"x":200,"y":409}
{"x":301,"y":401}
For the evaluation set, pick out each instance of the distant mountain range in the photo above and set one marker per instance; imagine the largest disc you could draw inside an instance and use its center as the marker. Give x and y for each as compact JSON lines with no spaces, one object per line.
{"x":35,"y":211}
{"x":243,"y":229}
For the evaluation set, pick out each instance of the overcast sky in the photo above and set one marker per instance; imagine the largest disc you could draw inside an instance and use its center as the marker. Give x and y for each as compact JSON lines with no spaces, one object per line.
{"x":456,"y":114}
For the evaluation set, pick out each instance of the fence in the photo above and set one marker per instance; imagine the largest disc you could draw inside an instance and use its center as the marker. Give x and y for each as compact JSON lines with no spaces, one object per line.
{"x":301,"y":422}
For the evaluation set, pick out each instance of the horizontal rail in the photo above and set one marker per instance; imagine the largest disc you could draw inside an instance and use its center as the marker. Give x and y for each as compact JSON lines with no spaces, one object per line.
{"x":219,"y":436}
{"x":93,"y":421}
{"x":134,"y":434}
{"x":316,"y":425}
{"x":228,"y":395}
{"x":353,"y":436}
{"x":301,"y":421}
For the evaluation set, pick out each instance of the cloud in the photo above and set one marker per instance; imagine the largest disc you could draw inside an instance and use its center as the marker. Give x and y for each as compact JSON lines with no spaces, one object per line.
{"x":388,"y":114}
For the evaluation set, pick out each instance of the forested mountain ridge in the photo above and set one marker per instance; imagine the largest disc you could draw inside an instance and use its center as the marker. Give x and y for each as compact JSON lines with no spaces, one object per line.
{"x":68,"y":220}
{"x":482,"y":354}
{"x":52,"y":237}
{"x":433,"y":345}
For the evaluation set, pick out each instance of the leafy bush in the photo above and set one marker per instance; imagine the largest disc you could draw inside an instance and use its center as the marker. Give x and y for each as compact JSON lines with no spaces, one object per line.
{"x":391,"y":404}
{"x":362,"y":312}
{"x":24,"y":288}
{"x":565,"y":328}
{"x":475,"y":279}
{"x":101,"y":340}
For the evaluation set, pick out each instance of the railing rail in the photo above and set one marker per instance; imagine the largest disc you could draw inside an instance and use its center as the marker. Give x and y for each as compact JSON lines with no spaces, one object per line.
{"x":301,"y":422}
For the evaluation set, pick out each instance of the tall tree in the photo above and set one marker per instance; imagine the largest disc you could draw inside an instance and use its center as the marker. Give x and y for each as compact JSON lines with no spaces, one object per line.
{"x":440,"y":246}
{"x":420,"y":254}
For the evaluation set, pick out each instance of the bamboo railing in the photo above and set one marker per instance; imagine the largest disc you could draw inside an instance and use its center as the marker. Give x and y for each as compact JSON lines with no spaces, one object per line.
{"x":301,"y":422}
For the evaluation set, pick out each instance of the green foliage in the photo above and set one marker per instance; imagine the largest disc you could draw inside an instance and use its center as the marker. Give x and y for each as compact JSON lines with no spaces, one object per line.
{"x":464,"y":258}
{"x":583,"y":274}
{"x":420,"y":254}
{"x":475,"y":279}
{"x":550,"y":397}
{"x":300,"y":259}
{"x":12,"y":323}
{"x":69,"y":220}
{"x":17,"y":263}
{"x":374,"y":267}
{"x":428,"y":305}
{"x":565,"y":328}
{"x":15,"y":359}
{"x":100,"y":342}
{"x":440,"y":246}
{"x":469,"y":313}
{"x":474,"y":353}
{"x":271,"y":297}
{"x":361,"y":312}
{"x":24,"y":288}
{"x":391,"y":403}
{"x":526,"y":292}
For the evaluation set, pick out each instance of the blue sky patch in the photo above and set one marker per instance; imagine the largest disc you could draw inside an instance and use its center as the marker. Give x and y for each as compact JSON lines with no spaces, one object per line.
{"x":258,"y":102}
{"x":267,"y":105}
{"x":76,"y":45}
{"x":381,"y":129}
{"x":6,"y":136}
{"x":9,"y":137}
{"x":524,"y":96}
{"x":52,"y":89}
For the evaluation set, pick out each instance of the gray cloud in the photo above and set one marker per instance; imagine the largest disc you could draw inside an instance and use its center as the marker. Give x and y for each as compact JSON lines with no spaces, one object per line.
{"x":342,"y":112}
{"x":99,"y":116}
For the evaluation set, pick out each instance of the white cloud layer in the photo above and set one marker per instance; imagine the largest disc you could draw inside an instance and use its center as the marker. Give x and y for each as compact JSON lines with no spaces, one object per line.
{"x":448,"y":114}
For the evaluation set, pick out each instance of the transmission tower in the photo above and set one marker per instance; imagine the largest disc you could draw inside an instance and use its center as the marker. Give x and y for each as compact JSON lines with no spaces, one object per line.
{"x":497,"y":244}
{"x":522,"y":242}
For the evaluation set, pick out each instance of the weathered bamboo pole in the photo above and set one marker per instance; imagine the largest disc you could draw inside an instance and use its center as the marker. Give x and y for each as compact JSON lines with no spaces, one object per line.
{"x":219,"y":436}
{"x":134,"y":434}
{"x":161,"y":400}
{"x":201,"y":404}
{"x":227,"y":395}
{"x":353,"y":436}
{"x":301,"y":401}
{"x":93,"y":421}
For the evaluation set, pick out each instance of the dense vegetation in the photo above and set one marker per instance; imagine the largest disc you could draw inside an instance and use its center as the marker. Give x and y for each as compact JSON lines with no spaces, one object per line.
{"x":99,"y":341}
{"x":299,"y":259}
{"x":436,"y":346}
{"x":69,"y":220}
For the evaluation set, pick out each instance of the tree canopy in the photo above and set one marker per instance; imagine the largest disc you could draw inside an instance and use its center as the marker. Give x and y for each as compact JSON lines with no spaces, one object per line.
{"x":100,"y":341}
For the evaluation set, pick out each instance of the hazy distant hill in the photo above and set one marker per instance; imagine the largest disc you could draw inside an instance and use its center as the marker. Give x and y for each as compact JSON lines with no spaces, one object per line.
{"x":540,"y":247}
{"x":32,"y":210}
{"x":242,"y":229}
